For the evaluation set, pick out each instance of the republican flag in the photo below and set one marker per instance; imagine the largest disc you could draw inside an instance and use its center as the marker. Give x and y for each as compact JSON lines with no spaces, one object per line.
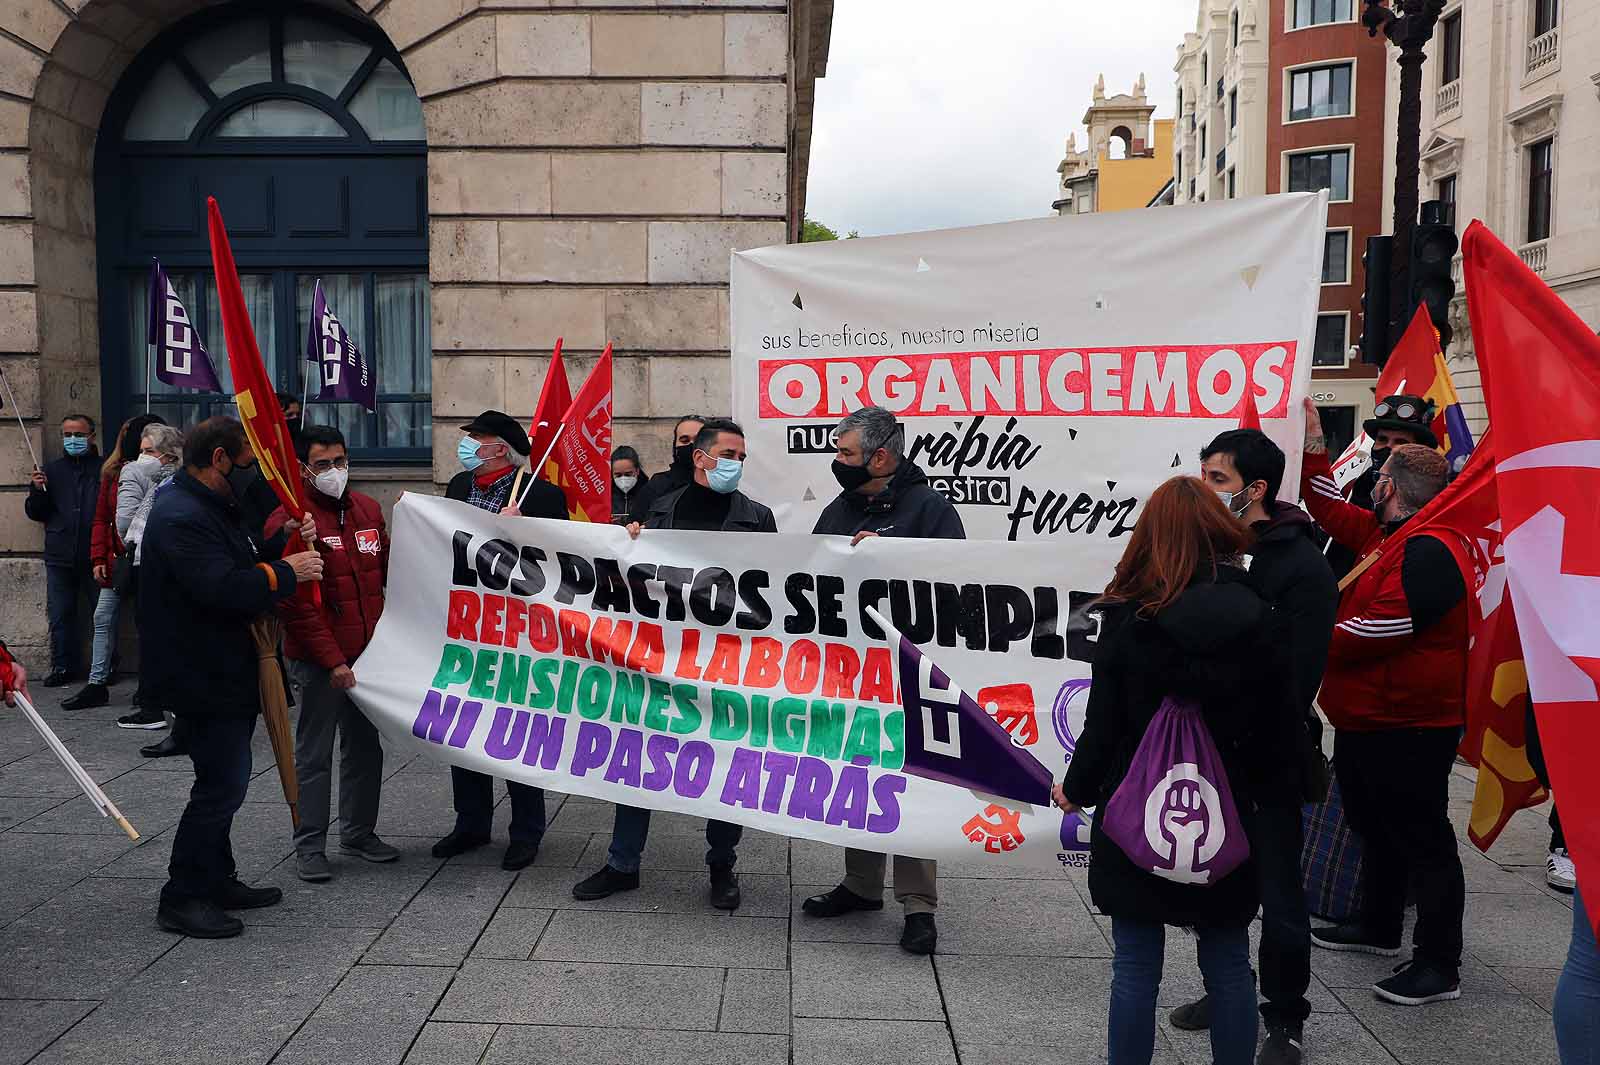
{"x":257,"y":400}
{"x":181,"y":359}
{"x":343,"y":372}
{"x":555,"y":399}
{"x":582,"y":453}
{"x":1541,"y":370}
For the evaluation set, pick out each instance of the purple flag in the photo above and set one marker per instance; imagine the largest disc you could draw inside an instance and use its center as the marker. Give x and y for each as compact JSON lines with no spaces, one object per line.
{"x":181,"y":359}
{"x":346,"y":377}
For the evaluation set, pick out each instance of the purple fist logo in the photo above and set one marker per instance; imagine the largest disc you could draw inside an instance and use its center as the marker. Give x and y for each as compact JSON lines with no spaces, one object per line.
{"x":1183,"y":824}
{"x":1070,"y":703}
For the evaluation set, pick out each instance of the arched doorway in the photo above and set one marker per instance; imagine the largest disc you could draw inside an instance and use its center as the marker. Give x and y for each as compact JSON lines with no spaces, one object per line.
{"x":304,"y":125}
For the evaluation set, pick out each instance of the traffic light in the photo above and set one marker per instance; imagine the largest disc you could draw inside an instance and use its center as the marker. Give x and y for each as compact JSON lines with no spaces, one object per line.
{"x":1433,"y":248}
{"x":1376,"y":263}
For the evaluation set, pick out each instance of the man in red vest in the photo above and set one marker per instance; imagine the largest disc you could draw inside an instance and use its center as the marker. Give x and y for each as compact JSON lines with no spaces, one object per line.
{"x":1395,"y":692}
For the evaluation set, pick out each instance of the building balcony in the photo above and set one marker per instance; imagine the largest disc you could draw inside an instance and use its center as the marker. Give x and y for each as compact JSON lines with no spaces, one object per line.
{"x":1448,"y":100}
{"x":1544,"y":53}
{"x":1455,"y":271}
{"x":1536,"y":255}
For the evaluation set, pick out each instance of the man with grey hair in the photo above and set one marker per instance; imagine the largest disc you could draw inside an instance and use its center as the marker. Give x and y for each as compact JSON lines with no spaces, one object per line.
{"x":884,"y":494}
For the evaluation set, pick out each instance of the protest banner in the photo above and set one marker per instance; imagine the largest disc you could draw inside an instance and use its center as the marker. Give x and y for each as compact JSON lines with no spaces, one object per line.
{"x":1050,"y":373}
{"x":744,"y":677}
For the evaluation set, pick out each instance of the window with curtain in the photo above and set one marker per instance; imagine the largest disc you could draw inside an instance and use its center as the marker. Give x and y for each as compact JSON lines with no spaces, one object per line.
{"x":1541,"y":178}
{"x":1319,"y":92}
{"x":1329,"y":170}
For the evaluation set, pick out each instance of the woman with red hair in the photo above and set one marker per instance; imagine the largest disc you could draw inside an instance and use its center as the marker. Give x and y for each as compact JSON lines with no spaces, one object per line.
{"x":1180,"y":622}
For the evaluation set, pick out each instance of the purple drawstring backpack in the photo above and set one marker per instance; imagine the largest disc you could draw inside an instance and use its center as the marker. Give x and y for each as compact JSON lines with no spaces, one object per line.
{"x":1173,"y":814}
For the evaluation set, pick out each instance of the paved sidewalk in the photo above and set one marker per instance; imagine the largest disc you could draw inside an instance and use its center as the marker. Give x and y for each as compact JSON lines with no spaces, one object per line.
{"x":451,"y":962}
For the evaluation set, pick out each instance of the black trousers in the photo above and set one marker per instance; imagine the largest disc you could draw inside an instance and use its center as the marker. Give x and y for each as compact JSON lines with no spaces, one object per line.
{"x":474,"y":798}
{"x":1395,"y":787}
{"x":1277,"y":837}
{"x":202,"y":853}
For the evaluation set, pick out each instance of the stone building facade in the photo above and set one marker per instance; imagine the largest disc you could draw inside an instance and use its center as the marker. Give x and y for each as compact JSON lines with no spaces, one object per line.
{"x":575,"y":168}
{"x":1124,"y":165}
{"x":1511,"y":137}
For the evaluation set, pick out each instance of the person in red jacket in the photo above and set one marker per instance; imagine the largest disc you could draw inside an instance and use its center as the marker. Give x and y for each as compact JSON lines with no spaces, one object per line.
{"x":13,"y":678}
{"x":321,"y":644}
{"x":1395,"y":692}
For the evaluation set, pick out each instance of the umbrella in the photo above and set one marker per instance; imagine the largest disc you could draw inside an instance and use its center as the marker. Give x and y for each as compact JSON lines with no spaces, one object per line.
{"x":275,"y":709}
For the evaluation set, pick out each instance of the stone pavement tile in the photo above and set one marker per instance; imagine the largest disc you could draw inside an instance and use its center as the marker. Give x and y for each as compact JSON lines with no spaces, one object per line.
{"x":755,"y":1000}
{"x":1535,"y":875}
{"x":814,"y":862}
{"x":1525,"y":840}
{"x":759,"y":852}
{"x":1474,"y":1028}
{"x":371,"y":1017}
{"x":675,"y":938}
{"x":40,"y":774}
{"x":234,"y":1000}
{"x":32,"y":1024}
{"x":1343,"y":972}
{"x":1483,"y":875}
{"x":15,"y":809}
{"x":1537,"y":984}
{"x":1027,"y":1002}
{"x":521,"y":1045}
{"x":512,"y":934}
{"x":827,"y":1041}
{"x":417,"y":802}
{"x":1328,"y":1038}
{"x":261,"y":839}
{"x":83,"y":941}
{"x":660,"y":891}
{"x":585,"y":995}
{"x":34,"y":867}
{"x":1090,"y":1052}
{"x":860,"y":926}
{"x":442,"y":921}
{"x":864,"y":981}
{"x":1521,"y":930}
{"x":442,"y":1043}
{"x":152,"y":802}
{"x":1016,"y":917}
{"x":360,"y":895}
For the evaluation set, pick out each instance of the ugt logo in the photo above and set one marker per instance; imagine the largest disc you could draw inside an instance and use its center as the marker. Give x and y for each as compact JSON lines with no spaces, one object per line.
{"x":998,"y":829}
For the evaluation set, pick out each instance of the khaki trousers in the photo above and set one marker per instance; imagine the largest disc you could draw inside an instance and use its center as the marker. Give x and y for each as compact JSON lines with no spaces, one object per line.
{"x":916,"y":880}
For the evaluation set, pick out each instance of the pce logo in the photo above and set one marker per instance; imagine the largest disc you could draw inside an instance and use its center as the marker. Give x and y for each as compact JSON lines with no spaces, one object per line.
{"x":998,"y":829}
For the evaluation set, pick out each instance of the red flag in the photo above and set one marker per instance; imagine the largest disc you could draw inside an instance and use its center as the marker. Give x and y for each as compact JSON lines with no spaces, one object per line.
{"x":1249,"y":417}
{"x":583,"y":451}
{"x":555,"y":397}
{"x":257,"y":400}
{"x":1541,"y":371}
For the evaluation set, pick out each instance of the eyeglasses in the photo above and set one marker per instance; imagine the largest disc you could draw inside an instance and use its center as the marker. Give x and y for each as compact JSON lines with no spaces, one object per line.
{"x":324,"y":465}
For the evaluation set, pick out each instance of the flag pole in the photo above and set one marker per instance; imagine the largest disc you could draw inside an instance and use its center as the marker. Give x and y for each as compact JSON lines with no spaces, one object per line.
{"x":74,"y":768}
{"x":12,"y":399}
{"x":147,"y":372}
{"x":305,"y":378}
{"x":544,"y":459}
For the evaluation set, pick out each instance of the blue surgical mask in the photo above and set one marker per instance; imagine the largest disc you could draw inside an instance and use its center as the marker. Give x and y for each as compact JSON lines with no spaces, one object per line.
{"x":467,"y":452}
{"x":725,"y":478}
{"x":75,"y":445}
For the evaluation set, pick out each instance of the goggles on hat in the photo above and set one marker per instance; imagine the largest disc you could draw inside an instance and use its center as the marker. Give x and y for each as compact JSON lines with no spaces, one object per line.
{"x":1406,"y":410}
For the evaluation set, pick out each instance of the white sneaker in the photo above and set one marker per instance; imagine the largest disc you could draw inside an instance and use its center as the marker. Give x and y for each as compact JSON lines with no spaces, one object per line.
{"x":1559,"y":872}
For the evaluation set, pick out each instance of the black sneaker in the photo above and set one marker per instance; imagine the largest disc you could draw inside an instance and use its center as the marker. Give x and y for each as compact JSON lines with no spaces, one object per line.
{"x":1354,"y":938}
{"x":145,"y":717}
{"x":236,"y":895}
{"x":169,"y":747}
{"x":1417,"y":983}
{"x":90,"y":695}
{"x":1282,"y":1045}
{"x":458,"y":842}
{"x":58,"y":678}
{"x":200,"y":918}
{"x":605,"y":883}
{"x":725,"y":893}
{"x":838,"y":902}
{"x":519,"y":855}
{"x":1194,"y":1017}
{"x":920,"y":935}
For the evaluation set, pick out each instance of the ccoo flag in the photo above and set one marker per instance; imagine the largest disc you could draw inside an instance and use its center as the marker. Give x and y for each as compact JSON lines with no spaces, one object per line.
{"x":181,"y":359}
{"x":346,"y":377}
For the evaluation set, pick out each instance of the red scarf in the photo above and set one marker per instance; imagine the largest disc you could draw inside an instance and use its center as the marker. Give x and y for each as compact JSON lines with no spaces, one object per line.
{"x":484,"y":479}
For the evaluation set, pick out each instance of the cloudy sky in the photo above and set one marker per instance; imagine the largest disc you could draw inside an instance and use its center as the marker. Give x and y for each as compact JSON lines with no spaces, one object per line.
{"x":941,"y":113}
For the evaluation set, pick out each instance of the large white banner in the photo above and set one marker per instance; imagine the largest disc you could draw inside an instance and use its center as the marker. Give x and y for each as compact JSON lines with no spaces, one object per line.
{"x":743,"y":676}
{"x":1050,"y":373}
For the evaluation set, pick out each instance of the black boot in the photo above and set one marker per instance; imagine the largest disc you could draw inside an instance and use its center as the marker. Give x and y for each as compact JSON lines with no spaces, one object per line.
{"x":200,"y":918}
{"x":606,"y":882}
{"x":838,"y":902}
{"x":458,"y":842}
{"x":920,"y":936}
{"x":90,"y":695}
{"x":236,"y":895}
{"x":725,"y":893}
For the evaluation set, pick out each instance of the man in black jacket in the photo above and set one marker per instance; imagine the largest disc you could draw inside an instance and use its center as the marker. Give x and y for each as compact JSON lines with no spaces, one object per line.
{"x":62,"y":498}
{"x":203,"y":580}
{"x":1245,"y":468}
{"x":710,"y":502}
{"x":492,"y":450}
{"x":884,"y":494}
{"x":675,"y":476}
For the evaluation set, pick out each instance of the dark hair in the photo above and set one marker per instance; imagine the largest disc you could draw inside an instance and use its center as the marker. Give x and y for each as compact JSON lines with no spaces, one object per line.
{"x":326,"y":435}
{"x":127,"y":443}
{"x":711,"y":428}
{"x":1254,"y":455}
{"x":628,"y":454}
{"x":701,"y":418}
{"x":79,"y":418}
{"x":218,"y":431}
{"x":1184,"y":531}
{"x":1419,"y":473}
{"x":284,"y":399}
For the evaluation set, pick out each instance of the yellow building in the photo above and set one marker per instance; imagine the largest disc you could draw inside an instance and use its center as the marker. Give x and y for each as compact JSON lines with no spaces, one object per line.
{"x":1128,"y":161}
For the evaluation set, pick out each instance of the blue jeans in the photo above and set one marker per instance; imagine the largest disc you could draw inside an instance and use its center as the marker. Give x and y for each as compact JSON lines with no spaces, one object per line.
{"x":631,"y":828}
{"x":1138,"y":949}
{"x":1577,"y":1003}
{"x":105,"y":635}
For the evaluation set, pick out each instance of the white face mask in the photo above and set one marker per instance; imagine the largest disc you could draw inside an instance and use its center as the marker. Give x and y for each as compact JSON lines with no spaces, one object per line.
{"x":148,"y":463}
{"x":331,"y":482}
{"x":627,"y":482}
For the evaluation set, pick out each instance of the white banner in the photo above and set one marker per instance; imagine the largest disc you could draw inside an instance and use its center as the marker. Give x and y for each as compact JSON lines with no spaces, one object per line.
{"x":741,"y":676}
{"x":1050,"y":373}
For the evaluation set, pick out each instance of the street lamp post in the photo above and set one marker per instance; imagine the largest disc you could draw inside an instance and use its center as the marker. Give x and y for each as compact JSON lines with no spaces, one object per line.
{"x":1408,"y":24}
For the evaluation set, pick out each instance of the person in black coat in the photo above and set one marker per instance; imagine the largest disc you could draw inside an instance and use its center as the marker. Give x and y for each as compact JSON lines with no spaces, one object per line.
{"x":203,"y":580}
{"x":675,"y":476}
{"x":62,"y":498}
{"x":1181,"y":620}
{"x":627,"y":481}
{"x":1245,"y":468}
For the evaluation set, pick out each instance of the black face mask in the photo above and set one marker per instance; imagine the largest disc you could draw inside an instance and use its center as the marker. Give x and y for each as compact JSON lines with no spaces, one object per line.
{"x":683,"y":458}
{"x":240,"y":478}
{"x":1380,"y":455}
{"x":850,"y":477}
{"x":294,"y":423}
